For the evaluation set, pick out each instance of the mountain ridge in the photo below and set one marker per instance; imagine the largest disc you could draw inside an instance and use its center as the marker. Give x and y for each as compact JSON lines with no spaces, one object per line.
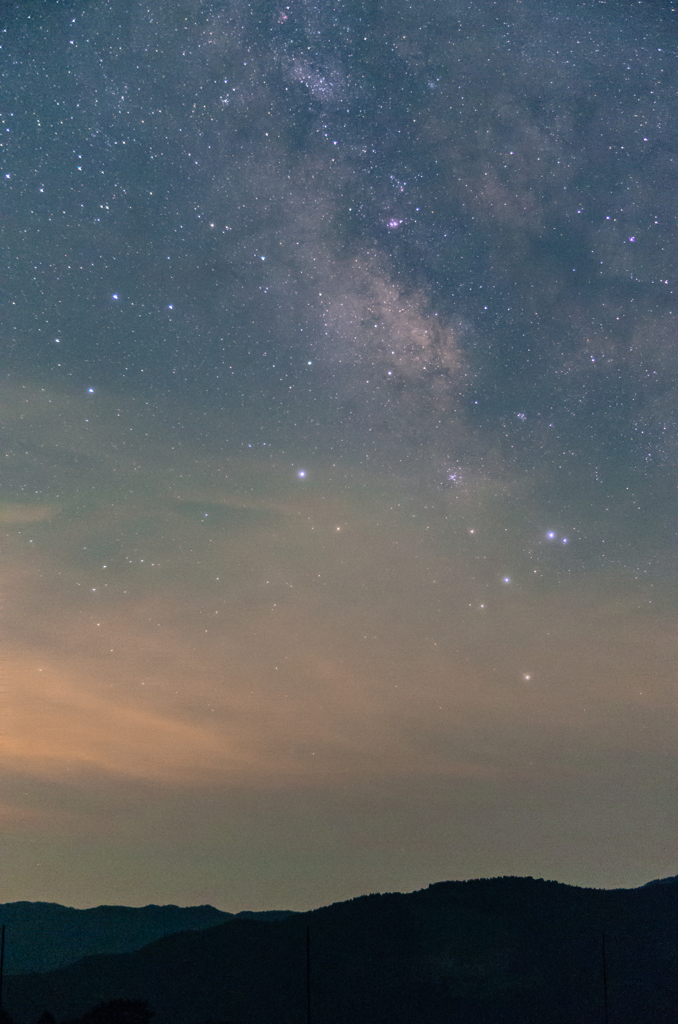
{"x":46,"y":936}
{"x":486,"y":951}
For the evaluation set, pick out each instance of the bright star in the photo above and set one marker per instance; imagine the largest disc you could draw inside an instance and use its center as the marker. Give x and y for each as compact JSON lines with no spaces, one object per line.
{"x":302,"y":473}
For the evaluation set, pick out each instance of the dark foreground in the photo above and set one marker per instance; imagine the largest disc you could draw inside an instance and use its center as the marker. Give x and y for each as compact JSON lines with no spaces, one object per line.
{"x":497,"y":951}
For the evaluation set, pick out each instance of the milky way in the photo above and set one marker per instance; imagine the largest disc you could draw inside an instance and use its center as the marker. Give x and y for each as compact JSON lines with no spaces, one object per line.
{"x":339,"y":407}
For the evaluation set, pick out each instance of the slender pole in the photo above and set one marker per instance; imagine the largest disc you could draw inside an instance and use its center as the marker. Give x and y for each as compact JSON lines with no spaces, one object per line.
{"x":604,"y":982}
{"x":308,"y":975}
{"x":2,"y":963}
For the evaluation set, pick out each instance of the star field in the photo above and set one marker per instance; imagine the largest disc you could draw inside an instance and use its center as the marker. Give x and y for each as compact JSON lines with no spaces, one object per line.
{"x":339,"y":446}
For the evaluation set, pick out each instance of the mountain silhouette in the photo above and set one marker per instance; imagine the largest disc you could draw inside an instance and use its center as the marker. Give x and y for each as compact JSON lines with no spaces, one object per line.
{"x":489,"y":951}
{"x":46,"y":936}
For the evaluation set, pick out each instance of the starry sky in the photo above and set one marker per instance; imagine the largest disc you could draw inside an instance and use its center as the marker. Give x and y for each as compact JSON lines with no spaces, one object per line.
{"x":339,"y":446}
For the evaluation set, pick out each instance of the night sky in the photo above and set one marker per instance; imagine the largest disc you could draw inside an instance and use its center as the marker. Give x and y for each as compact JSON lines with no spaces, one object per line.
{"x":339,"y":445}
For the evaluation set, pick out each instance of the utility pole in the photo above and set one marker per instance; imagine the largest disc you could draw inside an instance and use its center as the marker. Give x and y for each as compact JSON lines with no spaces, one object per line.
{"x":604,"y":983}
{"x":308,"y":974}
{"x":2,"y":963}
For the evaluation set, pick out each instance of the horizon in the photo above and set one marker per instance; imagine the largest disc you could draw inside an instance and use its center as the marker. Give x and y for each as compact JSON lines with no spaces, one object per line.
{"x":390,"y":892}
